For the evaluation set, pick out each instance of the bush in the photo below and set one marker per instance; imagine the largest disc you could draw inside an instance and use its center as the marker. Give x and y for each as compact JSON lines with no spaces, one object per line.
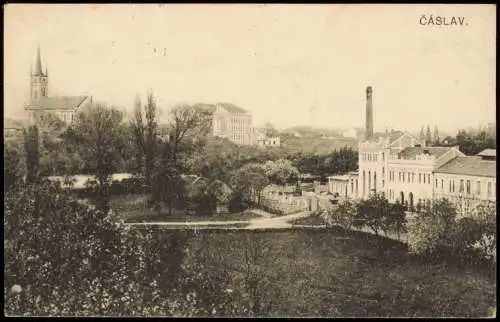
{"x":238,"y":202}
{"x":68,"y":258}
{"x":436,"y":229}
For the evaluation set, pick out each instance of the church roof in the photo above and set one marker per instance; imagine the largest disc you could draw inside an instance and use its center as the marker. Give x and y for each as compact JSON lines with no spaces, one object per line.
{"x":56,"y":103}
{"x":38,"y":66}
{"x":469,"y":165}
{"x":410,"y":153}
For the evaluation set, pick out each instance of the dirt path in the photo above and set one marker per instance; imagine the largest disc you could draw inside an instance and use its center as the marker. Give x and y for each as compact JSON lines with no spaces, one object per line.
{"x":258,"y":223}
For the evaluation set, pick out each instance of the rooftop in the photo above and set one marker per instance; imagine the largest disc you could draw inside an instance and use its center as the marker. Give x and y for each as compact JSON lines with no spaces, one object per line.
{"x":229,"y":107}
{"x":488,"y":153}
{"x":410,"y":153}
{"x":56,"y":103}
{"x":469,"y":165}
{"x":11,"y":124}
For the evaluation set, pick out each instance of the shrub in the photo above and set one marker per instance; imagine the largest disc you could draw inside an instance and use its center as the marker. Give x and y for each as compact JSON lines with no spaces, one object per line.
{"x":238,"y":202}
{"x":70,"y":259}
{"x":343,"y":215}
{"x":486,"y":246}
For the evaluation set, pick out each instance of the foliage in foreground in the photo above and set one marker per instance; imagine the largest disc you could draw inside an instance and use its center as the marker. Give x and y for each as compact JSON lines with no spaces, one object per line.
{"x":63,"y":257}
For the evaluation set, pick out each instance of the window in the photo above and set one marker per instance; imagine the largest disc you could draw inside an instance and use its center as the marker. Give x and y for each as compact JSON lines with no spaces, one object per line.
{"x":436,"y":183}
{"x":419,"y":178}
{"x":453,"y":185}
{"x":489,"y":189}
{"x":461,"y":185}
{"x":468,"y":187}
{"x":442,"y":184}
{"x":403,"y":177}
{"x":478,"y":187}
{"x":409,"y":180}
{"x":450,"y":186}
{"x":424,"y":177}
{"x":428,"y":178}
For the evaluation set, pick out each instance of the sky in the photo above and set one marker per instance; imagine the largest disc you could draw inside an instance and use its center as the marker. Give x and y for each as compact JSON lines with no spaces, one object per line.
{"x":291,"y":65}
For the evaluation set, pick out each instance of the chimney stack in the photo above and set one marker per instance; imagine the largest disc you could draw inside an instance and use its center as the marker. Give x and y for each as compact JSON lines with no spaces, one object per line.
{"x":369,"y":114}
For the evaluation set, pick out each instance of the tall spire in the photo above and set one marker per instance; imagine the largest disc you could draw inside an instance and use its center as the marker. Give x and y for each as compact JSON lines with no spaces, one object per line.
{"x":38,"y":67}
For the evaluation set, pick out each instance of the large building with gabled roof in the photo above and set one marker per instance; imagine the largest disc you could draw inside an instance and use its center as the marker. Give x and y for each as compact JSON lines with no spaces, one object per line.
{"x":406,"y":170}
{"x":65,"y":107}
{"x":231,"y":122}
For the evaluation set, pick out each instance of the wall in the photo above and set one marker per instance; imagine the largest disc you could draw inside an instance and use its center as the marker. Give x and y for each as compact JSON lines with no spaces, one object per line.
{"x":283,"y":204}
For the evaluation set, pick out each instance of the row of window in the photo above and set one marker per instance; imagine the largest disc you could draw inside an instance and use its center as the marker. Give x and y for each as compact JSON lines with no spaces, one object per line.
{"x":465,"y":187}
{"x":410,"y":177}
{"x":371,"y":156}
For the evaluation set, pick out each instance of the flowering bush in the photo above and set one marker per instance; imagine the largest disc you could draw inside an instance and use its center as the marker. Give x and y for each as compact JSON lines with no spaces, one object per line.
{"x":64,"y":257}
{"x":486,"y":246}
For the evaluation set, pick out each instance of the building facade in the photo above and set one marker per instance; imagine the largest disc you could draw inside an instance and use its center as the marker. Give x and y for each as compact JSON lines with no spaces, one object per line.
{"x":231,"y":122}
{"x":405,"y":170}
{"x":64,"y":107}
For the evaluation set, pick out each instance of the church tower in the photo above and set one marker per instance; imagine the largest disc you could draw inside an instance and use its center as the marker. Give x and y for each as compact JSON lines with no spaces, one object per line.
{"x":39,"y":80}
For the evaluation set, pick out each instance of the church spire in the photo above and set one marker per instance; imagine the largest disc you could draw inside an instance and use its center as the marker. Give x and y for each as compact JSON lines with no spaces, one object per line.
{"x":38,"y":67}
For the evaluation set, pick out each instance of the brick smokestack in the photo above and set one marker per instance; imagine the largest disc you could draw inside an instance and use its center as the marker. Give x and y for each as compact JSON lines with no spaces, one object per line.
{"x":369,"y":114}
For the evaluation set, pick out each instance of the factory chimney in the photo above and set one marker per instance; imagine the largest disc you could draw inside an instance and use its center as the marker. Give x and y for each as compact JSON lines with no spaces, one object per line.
{"x":369,"y":114}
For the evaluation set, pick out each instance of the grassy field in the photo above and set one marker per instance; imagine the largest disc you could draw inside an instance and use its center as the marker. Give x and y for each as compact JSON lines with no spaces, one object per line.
{"x":330,"y":273}
{"x":133,"y":209}
{"x":311,"y":220}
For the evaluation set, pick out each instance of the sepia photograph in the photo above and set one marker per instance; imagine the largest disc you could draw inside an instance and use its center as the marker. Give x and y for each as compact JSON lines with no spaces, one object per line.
{"x":250,"y":160}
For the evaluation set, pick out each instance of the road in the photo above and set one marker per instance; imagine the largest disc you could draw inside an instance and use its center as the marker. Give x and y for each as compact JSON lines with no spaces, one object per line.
{"x":257,"y":223}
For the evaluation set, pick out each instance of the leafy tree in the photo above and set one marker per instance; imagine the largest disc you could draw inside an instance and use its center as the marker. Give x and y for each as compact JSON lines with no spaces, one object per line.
{"x":271,"y":130}
{"x":65,"y":258}
{"x":436,"y":135}
{"x":281,"y":171}
{"x":343,"y":215}
{"x":421,"y":136}
{"x":396,"y":220}
{"x":432,"y":227}
{"x":32,"y":148}
{"x":428,"y":135}
{"x":471,"y":144}
{"x":374,"y":213}
{"x":250,"y":180}
{"x":98,"y":135}
{"x":13,"y":165}
{"x":145,"y":131}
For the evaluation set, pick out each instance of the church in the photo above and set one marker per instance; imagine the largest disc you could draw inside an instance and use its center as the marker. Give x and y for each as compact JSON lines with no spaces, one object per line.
{"x":64,"y":107}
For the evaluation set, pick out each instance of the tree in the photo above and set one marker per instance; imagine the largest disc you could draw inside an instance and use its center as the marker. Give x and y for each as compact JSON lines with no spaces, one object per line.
{"x":186,"y":136}
{"x":421,"y":136}
{"x":428,"y":135}
{"x":281,"y":171}
{"x":374,"y":213}
{"x":145,"y":130}
{"x":432,"y":228}
{"x":98,"y":135}
{"x":32,"y":148}
{"x":68,"y":258}
{"x":436,"y":135}
{"x":270,"y":130}
{"x":343,"y":215}
{"x":250,"y":180}
{"x":13,"y":161}
{"x":396,"y":220}
{"x":471,"y":144}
